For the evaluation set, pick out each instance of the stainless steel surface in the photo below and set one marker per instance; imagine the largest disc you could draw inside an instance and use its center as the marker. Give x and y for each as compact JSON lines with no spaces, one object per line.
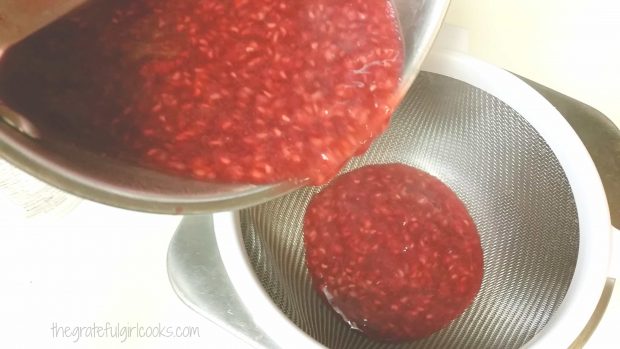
{"x":513,"y":186}
{"x":199,"y":278}
{"x":19,"y":18}
{"x":600,"y":136}
{"x":597,"y":315}
{"x":119,"y":184}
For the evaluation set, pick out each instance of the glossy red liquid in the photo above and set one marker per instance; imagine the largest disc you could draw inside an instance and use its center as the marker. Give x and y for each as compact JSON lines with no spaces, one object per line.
{"x":393,"y":250}
{"x":233,"y":91}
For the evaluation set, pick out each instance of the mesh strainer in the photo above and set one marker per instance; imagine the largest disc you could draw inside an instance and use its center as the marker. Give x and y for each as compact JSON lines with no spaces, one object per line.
{"x":527,"y":181}
{"x":520,"y":201}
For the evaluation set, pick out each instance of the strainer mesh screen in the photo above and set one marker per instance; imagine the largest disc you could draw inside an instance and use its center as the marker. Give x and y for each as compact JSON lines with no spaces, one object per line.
{"x":513,"y":186}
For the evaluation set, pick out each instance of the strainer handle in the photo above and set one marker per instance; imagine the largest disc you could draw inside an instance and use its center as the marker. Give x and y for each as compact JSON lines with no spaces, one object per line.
{"x":614,"y":263}
{"x":210,"y":272}
{"x":601,"y":307}
{"x":198,"y":276}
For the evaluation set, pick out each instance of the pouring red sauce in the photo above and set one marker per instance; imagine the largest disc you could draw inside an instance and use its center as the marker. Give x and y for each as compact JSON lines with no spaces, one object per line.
{"x":393,"y":250}
{"x":231,"y":91}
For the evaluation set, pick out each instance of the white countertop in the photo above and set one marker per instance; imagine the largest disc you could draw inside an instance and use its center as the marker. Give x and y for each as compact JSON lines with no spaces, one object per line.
{"x":571,"y":46}
{"x":86,"y":263}
{"x":95,"y":264}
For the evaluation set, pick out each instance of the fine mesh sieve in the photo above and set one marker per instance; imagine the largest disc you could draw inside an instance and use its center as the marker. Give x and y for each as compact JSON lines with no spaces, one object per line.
{"x":512,"y":184}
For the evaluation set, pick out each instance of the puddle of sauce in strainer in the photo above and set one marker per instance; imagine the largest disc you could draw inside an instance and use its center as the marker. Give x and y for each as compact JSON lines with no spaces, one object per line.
{"x":393,"y":250}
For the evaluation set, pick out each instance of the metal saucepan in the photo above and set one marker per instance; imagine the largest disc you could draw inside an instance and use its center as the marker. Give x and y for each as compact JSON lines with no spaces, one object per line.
{"x":121,"y":184}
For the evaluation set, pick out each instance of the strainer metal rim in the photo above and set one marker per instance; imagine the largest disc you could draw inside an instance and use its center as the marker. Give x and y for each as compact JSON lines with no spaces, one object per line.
{"x":594,"y":222}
